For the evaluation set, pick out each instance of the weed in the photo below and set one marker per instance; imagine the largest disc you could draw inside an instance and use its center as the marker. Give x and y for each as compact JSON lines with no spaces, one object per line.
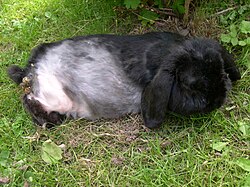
{"x":238,"y":35}
{"x":149,"y":10}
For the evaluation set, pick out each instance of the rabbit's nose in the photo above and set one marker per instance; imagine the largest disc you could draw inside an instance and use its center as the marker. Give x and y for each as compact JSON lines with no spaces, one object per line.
{"x":190,"y":81}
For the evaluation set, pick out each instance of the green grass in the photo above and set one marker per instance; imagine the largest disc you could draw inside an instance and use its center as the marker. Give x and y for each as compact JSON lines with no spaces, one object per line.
{"x":112,"y":152}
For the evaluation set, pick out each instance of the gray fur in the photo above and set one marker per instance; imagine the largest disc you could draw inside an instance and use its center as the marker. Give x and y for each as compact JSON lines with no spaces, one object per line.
{"x":92,"y":78}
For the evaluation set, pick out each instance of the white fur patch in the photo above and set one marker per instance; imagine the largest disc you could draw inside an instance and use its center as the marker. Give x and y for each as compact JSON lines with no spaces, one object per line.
{"x":52,"y":95}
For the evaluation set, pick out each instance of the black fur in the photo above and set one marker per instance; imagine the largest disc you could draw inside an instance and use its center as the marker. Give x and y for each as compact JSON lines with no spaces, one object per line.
{"x":40,"y":116}
{"x":16,"y":73}
{"x":197,"y":70}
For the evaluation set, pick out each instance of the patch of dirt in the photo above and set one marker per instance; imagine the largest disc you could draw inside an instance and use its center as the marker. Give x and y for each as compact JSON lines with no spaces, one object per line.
{"x":6,"y":47}
{"x":117,"y":160}
{"x":4,"y":180}
{"x":195,"y":22}
{"x":124,"y":130}
{"x":92,"y":138}
{"x":203,"y":27}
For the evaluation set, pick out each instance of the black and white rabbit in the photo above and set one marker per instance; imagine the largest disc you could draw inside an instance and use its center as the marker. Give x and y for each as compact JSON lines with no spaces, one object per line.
{"x":108,"y":76}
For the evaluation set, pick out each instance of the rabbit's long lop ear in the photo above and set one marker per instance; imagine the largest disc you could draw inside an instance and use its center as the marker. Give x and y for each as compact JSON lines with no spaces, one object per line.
{"x":155,"y":97}
{"x":230,"y":66}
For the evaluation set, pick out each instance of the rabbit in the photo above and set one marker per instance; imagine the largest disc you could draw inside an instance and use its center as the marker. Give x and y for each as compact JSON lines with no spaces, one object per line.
{"x":109,"y":76}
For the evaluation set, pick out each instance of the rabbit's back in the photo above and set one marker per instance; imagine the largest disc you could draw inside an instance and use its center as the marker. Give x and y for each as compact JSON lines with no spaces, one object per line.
{"x":83,"y":79}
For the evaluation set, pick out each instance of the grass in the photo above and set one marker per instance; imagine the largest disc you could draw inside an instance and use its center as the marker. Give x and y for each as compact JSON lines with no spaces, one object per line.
{"x":202,"y":150}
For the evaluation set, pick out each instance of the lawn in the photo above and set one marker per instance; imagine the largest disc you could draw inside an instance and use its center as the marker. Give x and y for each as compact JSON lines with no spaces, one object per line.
{"x":201,"y":150}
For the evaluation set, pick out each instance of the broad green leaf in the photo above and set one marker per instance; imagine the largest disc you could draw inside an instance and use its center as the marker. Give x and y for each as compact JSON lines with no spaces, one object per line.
{"x":234,"y":41}
{"x":244,"y":128}
{"x":132,"y":3}
{"x":223,"y":20}
{"x":245,"y":27}
{"x":244,"y":164}
{"x":178,"y":5}
{"x":29,"y":175}
{"x":225,"y":38}
{"x":181,"y":9}
{"x":232,"y":27}
{"x":242,"y":9}
{"x":4,"y":155}
{"x":242,"y":43}
{"x":51,"y":153}
{"x":247,"y":41}
{"x":232,"y":15}
{"x":48,"y":14}
{"x":233,"y":31}
{"x":218,"y":146}
{"x":148,"y":16}
{"x":233,"y":34}
{"x":159,"y":3}
{"x":247,"y":181}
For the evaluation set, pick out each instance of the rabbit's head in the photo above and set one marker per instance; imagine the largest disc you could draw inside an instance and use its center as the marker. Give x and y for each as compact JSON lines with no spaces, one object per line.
{"x":194,"y":78}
